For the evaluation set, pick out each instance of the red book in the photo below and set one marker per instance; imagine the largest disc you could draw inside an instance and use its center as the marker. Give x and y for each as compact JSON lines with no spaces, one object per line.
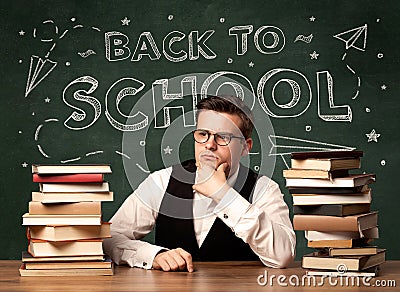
{"x":68,"y":178}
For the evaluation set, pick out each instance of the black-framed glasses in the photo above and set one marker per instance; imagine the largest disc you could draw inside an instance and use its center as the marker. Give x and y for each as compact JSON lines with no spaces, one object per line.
{"x":222,"y":139}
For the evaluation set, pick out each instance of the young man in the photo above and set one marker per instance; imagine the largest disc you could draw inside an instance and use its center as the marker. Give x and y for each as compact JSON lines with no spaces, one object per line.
{"x":210,"y":209}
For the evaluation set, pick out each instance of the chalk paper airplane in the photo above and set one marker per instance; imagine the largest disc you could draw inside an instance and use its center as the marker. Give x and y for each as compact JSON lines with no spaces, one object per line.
{"x":285,"y":145}
{"x":38,"y":70}
{"x":354,"y":38}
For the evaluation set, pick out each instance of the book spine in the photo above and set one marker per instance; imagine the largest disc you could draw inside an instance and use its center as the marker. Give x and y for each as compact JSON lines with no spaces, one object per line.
{"x":68,"y":178}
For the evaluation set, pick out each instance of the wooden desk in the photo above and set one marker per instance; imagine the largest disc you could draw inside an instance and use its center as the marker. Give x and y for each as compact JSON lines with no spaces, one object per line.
{"x":216,"y":276}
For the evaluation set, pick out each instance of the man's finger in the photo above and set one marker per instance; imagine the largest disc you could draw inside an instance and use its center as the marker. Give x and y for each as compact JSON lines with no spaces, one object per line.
{"x":188,"y":259}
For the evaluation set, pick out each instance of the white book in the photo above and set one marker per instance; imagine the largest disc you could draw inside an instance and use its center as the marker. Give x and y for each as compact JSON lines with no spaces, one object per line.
{"x":28,"y":219}
{"x":329,"y":199}
{"x":341,"y":235}
{"x":71,"y":197}
{"x":73,"y":187}
{"x":350,"y":181}
{"x":71,"y":168}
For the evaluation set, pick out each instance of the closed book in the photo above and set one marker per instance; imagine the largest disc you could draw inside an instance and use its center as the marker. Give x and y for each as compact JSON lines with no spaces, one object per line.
{"x":362,"y":250}
{"x":333,"y":223}
{"x":327,"y":154}
{"x":28,"y":258}
{"x":370,"y":272}
{"x":69,"y":232}
{"x":312,"y":173}
{"x":318,"y":260}
{"x":28,"y":219}
{"x":65,"y":272}
{"x":345,"y":243}
{"x":87,"y":208}
{"x":346,"y":182}
{"x":73,"y":187}
{"x":105,"y":264}
{"x":341,"y":235}
{"x":42,"y":248}
{"x":68,"y":178}
{"x":327,"y":199}
{"x":331,"y":210}
{"x":333,"y":190}
{"x":70,"y":168}
{"x":71,"y":197}
{"x":328,"y":164}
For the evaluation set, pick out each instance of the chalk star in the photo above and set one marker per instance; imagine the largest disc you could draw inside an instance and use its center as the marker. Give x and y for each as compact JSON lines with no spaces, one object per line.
{"x":312,"y":18}
{"x":251,"y":64}
{"x":125,"y":21}
{"x":373,"y":136}
{"x":24,"y":165}
{"x":314,"y":55}
{"x":47,"y":100}
{"x":21,"y":32}
{"x":383,"y":87}
{"x":167,"y":150}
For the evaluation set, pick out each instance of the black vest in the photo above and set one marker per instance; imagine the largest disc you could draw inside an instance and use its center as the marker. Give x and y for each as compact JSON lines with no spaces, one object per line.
{"x":174,"y":224}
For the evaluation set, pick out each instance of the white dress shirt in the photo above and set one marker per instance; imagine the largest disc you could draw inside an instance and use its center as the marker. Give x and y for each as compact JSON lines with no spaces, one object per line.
{"x":264,"y":223}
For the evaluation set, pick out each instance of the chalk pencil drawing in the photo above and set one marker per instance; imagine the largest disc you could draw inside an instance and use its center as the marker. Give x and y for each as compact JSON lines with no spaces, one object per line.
{"x":303,"y":38}
{"x":142,"y":168}
{"x":87,"y":53}
{"x":283,"y":145}
{"x":355,"y":38}
{"x":373,"y":136}
{"x":39,"y":67}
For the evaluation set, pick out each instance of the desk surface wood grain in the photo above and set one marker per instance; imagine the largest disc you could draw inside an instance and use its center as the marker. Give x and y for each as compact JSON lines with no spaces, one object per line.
{"x":208,"y":276}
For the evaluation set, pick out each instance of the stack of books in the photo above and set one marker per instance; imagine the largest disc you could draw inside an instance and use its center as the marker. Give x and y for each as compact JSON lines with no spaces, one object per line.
{"x":64,"y":223}
{"x":332,"y":206}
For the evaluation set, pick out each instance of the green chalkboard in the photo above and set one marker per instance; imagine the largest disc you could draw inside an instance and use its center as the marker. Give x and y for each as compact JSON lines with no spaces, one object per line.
{"x":116,"y":81}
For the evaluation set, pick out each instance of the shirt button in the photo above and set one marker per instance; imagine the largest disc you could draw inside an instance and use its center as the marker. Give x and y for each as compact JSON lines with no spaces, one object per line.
{"x":225,"y":216}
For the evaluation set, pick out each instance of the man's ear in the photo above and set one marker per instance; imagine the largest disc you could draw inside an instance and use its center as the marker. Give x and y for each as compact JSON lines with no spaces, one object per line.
{"x":247,"y":145}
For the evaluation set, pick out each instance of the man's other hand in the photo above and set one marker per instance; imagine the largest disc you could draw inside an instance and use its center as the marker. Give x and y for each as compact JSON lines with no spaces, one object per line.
{"x":173,"y":260}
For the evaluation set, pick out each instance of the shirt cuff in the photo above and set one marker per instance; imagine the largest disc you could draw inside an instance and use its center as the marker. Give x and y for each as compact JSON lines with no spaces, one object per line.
{"x":145,"y":255}
{"x":231,"y":208}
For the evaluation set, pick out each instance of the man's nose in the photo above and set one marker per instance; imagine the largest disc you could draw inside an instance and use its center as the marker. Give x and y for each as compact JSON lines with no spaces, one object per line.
{"x":211,"y":144}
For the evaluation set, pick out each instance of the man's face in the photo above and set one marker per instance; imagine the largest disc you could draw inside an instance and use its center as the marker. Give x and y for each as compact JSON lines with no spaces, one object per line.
{"x":211,"y":153}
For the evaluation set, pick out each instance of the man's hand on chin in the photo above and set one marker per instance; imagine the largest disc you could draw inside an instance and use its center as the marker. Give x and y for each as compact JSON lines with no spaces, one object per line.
{"x":211,"y":182}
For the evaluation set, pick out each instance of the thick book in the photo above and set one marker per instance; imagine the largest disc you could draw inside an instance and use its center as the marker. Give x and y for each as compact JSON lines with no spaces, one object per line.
{"x":327,"y":154}
{"x":362,"y":250}
{"x":327,"y":164}
{"x":341,"y":235}
{"x":345,"y":182}
{"x":345,"y":243}
{"x":333,"y":190}
{"x":370,"y":272}
{"x":68,"y":178}
{"x":105,"y":264}
{"x":42,"y":248}
{"x":318,"y":260}
{"x":65,"y":272}
{"x":331,"y":210}
{"x":333,"y":223}
{"x":28,"y":219}
{"x":331,"y":199}
{"x":71,"y":168}
{"x":71,"y":197}
{"x":73,"y":187}
{"x":314,"y":173}
{"x":78,"y":208}
{"x":28,"y":258}
{"x":69,"y":232}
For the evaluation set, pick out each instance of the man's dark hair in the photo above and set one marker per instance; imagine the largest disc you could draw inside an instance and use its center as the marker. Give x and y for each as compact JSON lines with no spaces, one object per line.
{"x":230,"y":105}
